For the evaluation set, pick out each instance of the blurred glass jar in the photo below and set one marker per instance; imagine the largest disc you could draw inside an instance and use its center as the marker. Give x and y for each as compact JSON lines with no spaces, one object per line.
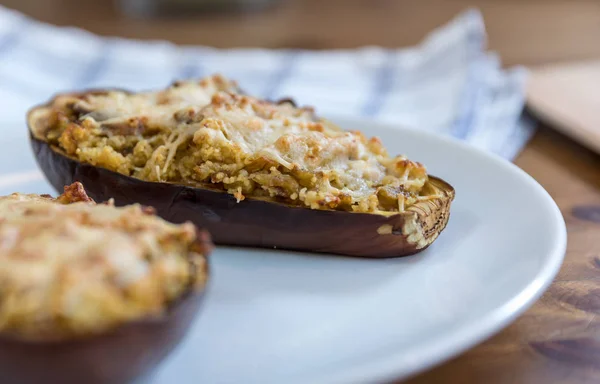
{"x":144,"y":8}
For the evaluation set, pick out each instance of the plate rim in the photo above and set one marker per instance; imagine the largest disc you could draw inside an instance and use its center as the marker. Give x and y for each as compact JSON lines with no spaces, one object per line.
{"x":475,"y":332}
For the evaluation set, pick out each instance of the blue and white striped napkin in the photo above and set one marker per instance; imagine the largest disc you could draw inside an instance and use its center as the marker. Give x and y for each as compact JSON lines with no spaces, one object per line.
{"x":448,"y":84}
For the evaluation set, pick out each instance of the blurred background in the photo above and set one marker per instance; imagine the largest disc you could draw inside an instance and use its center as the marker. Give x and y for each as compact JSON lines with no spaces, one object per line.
{"x":553,"y":39}
{"x":527,"y":32}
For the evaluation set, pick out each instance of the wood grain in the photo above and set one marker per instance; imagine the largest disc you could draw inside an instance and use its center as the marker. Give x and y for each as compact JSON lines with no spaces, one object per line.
{"x":558,"y":339}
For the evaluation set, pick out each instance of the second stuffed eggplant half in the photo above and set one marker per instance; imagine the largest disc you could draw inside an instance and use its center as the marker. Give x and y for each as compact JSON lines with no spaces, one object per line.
{"x":250,"y":171}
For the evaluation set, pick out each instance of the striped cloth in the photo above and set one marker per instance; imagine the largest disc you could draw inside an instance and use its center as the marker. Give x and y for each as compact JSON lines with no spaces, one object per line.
{"x":448,"y":84}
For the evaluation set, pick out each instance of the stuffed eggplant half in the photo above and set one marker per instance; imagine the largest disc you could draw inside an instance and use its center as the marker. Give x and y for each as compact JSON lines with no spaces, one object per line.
{"x":93,"y":293}
{"x":252,"y":172}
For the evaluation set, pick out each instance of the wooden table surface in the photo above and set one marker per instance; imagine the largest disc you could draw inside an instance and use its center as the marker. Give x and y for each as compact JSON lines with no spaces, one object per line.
{"x":558,"y":339}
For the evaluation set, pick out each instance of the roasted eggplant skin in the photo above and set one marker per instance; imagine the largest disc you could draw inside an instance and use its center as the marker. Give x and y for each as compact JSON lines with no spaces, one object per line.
{"x":131,"y":351}
{"x":259,"y":223}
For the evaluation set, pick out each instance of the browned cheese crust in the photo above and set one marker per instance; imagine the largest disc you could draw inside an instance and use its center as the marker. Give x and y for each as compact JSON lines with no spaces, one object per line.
{"x":70,"y":267}
{"x":208,"y":133}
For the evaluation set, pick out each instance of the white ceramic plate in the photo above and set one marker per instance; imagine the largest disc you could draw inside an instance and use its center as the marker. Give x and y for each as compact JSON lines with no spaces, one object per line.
{"x":275,"y":317}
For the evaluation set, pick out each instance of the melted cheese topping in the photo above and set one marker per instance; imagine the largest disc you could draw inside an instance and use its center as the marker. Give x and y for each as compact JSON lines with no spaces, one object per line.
{"x":207,"y":132}
{"x":76,"y":269}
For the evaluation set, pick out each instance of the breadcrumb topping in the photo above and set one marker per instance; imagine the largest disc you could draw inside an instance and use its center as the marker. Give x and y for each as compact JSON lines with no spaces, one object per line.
{"x":208,"y":132}
{"x":70,"y":267}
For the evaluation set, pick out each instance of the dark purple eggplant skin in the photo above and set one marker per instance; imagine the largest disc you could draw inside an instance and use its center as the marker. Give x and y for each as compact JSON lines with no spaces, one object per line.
{"x":129,"y":352}
{"x":251,"y":222}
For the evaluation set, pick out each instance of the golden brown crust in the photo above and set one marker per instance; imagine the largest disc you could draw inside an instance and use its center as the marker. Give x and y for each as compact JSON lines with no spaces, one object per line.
{"x":70,"y":267}
{"x":74,"y":193}
{"x":208,"y":133}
